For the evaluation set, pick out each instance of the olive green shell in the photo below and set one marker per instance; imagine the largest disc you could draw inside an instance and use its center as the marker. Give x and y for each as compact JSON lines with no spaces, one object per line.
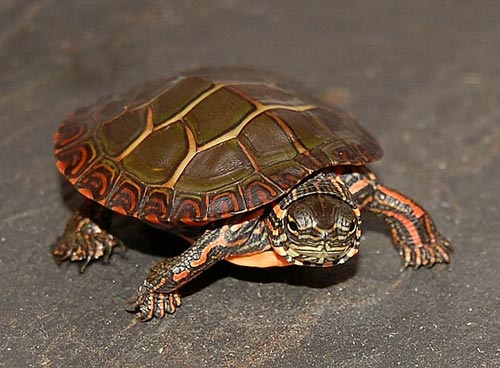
{"x":204,"y":146}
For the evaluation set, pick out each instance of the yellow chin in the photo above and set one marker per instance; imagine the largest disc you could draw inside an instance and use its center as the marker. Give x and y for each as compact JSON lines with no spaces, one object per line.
{"x":319,"y":259}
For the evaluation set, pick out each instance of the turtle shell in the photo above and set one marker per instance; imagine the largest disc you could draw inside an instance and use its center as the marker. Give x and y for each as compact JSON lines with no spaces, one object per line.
{"x":204,"y":146}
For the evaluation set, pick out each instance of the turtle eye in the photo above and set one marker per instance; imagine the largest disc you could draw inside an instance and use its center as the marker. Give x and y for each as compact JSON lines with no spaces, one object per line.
{"x":292,"y":226}
{"x":352,"y":227}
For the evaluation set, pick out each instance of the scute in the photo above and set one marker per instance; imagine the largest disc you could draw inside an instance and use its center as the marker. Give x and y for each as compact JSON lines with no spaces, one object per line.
{"x":273,"y":148}
{"x":205,"y":145}
{"x":218,"y":166}
{"x":119,"y":133}
{"x":176,"y":98}
{"x":156,"y":157}
{"x":217,"y":114}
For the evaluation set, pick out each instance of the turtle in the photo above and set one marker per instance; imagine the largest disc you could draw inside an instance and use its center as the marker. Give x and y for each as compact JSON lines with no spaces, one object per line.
{"x":245,"y":167}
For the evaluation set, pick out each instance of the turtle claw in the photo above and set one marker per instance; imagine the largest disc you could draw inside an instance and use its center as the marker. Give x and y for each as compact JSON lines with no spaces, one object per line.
{"x":84,"y":241}
{"x":426,"y":255}
{"x":148,"y":304}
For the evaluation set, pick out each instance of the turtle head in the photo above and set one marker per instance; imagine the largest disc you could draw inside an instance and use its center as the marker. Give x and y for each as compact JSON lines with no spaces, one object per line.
{"x":319,"y":229}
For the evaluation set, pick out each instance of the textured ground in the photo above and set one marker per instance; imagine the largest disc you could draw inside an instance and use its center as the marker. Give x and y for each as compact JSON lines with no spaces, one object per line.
{"x":423,"y":76}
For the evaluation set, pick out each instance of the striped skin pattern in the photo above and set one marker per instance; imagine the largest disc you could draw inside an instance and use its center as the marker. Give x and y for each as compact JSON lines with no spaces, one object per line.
{"x":243,"y":167}
{"x":413,"y":231}
{"x":321,"y":187}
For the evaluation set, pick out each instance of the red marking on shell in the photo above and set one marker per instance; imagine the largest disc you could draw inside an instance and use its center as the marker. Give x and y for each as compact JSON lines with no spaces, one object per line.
{"x":151,"y":217}
{"x":345,"y":155}
{"x":81,"y":162}
{"x":67,"y":134}
{"x":120,"y":209}
{"x":99,"y":180}
{"x":124,"y":199}
{"x":224,"y":205}
{"x":190,"y":222}
{"x":104,"y":180}
{"x":310,"y":162}
{"x":87,"y":193}
{"x":96,"y":182}
{"x":286,"y":181}
{"x":187,"y":210}
{"x":289,"y":177}
{"x":259,"y":193}
{"x":156,"y":207}
{"x":61,"y":166}
{"x":72,"y":161}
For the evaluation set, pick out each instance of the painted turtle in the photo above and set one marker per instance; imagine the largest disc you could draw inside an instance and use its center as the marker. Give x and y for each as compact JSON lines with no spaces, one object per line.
{"x":239,"y":164}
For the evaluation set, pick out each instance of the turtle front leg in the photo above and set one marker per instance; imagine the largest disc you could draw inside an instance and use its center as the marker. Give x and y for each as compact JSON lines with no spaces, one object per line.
{"x":85,"y":238}
{"x":413,"y":231}
{"x":159,"y":292}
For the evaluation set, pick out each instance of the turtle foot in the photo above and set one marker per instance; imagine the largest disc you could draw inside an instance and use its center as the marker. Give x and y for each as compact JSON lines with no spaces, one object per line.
{"x":148,"y":304}
{"x":437,"y":250}
{"x":84,"y":241}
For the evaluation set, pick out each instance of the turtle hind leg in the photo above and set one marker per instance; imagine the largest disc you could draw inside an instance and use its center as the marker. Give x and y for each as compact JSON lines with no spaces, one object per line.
{"x":85,"y":237}
{"x":413,"y":232}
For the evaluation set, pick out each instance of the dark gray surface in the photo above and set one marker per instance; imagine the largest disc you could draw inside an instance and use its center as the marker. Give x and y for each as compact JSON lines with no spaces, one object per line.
{"x":423,"y":76}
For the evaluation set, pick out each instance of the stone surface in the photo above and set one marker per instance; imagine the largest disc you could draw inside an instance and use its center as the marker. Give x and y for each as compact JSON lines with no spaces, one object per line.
{"x":422,"y":76}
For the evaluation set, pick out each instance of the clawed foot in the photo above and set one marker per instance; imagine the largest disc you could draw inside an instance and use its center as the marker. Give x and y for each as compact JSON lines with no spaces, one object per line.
{"x":437,"y":250}
{"x":84,"y":241}
{"x":148,"y":303}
